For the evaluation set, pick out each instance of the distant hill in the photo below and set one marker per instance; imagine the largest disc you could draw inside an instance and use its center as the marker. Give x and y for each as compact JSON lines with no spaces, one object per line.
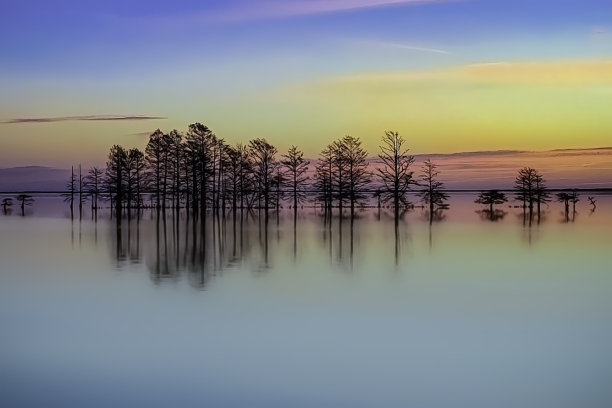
{"x":33,"y":178}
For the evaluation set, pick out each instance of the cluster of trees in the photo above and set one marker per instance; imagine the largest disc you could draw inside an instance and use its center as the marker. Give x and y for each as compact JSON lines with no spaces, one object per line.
{"x":23,"y":200}
{"x":197,"y":170}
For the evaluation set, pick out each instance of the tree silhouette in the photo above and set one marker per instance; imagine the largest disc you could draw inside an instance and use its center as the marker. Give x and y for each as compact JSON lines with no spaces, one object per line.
{"x":264,"y":167}
{"x":296,"y":168}
{"x":232,"y":174}
{"x":324,"y":178}
{"x":135,"y":174}
{"x":71,"y":187}
{"x":593,"y":203}
{"x":201,"y":169}
{"x":24,"y":200}
{"x":6,"y":203}
{"x":175,"y":145}
{"x":395,"y":174}
{"x":432,"y":193}
{"x":93,"y":185}
{"x":116,"y":169}
{"x":567,"y":198}
{"x":200,"y":140}
{"x":531,"y":188}
{"x":491,"y":198}
{"x":352,"y":160}
{"x":155,"y":160}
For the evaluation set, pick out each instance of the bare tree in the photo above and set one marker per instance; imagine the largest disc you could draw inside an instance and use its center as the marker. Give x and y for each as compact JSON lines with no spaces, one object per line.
{"x":71,"y":187}
{"x":593,"y":203}
{"x":6,"y":203}
{"x":245,"y":171}
{"x":264,"y":167}
{"x":296,"y":167}
{"x":135,"y":165}
{"x":24,"y":200}
{"x":324,"y":178}
{"x":530,"y":188}
{"x":155,"y":159}
{"x":432,"y":193}
{"x":93,"y":185}
{"x":176,"y":147}
{"x":349,"y":173}
{"x":567,"y":198}
{"x":200,"y":140}
{"x":395,"y":173}
{"x":116,"y":174}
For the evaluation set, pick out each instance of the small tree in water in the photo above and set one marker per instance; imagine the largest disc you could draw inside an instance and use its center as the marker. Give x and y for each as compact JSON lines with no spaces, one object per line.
{"x":24,"y":200}
{"x":6,"y":203}
{"x":296,"y":167}
{"x":432,"y":193}
{"x":491,"y":198}
{"x":395,"y":173}
{"x":566,"y":199}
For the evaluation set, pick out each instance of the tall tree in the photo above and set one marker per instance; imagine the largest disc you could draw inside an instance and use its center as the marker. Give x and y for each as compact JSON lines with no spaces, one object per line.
{"x":155,"y":160}
{"x":358,"y":176}
{"x":531,"y":189}
{"x":339,"y":182}
{"x":71,"y":189}
{"x":134,"y":173}
{"x":296,"y":167}
{"x":93,"y":185}
{"x":324,"y":178}
{"x":245,"y":171}
{"x":395,"y":172}
{"x":199,"y":140}
{"x":432,"y":192}
{"x":263,"y":155}
{"x":176,"y":147}
{"x":116,"y":174}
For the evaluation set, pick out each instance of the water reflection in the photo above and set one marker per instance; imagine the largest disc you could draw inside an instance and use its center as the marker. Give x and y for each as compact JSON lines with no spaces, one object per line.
{"x":172,"y":243}
{"x":309,"y":293}
{"x":493,"y":216}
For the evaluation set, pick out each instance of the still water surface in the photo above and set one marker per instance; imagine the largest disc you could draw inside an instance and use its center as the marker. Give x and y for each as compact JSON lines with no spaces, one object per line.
{"x":164,"y":311}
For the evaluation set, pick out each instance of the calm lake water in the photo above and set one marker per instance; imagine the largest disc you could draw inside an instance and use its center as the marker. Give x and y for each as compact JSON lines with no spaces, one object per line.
{"x":164,"y":311}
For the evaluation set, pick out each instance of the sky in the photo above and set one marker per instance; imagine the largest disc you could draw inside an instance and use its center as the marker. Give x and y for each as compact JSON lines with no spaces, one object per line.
{"x":77,"y":76}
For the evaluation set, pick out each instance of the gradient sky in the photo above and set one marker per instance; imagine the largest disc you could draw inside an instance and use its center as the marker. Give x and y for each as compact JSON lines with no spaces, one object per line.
{"x":449,"y":75}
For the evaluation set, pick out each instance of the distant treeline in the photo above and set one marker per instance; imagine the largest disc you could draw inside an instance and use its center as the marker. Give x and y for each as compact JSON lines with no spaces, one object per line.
{"x":199,"y":171}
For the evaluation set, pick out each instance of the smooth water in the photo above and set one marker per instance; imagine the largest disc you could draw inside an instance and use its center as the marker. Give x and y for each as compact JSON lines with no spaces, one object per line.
{"x":161,"y":310}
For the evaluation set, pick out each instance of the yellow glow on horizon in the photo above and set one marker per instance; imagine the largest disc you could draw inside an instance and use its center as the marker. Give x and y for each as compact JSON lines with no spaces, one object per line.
{"x":492,"y":106}
{"x":526,"y":105}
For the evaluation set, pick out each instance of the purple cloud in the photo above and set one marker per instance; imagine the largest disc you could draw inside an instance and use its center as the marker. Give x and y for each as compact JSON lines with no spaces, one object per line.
{"x":83,"y":117}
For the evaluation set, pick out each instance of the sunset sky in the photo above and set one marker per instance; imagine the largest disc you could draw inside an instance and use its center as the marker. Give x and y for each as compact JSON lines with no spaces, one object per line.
{"x":78,"y":76}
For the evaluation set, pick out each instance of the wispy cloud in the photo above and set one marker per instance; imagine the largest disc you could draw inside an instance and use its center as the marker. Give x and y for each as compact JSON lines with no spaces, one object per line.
{"x":574,"y":72}
{"x":247,"y":10}
{"x":82,"y":117}
{"x":407,"y":47}
{"x":286,"y":8}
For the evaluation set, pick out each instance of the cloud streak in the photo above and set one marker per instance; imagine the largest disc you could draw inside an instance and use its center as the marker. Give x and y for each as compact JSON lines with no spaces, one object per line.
{"x":578,"y":72}
{"x":82,"y":118}
{"x":407,"y":47}
{"x":237,"y":11}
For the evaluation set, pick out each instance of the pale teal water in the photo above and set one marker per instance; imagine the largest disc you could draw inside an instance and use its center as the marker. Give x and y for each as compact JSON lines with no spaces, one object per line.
{"x":467,"y":313}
